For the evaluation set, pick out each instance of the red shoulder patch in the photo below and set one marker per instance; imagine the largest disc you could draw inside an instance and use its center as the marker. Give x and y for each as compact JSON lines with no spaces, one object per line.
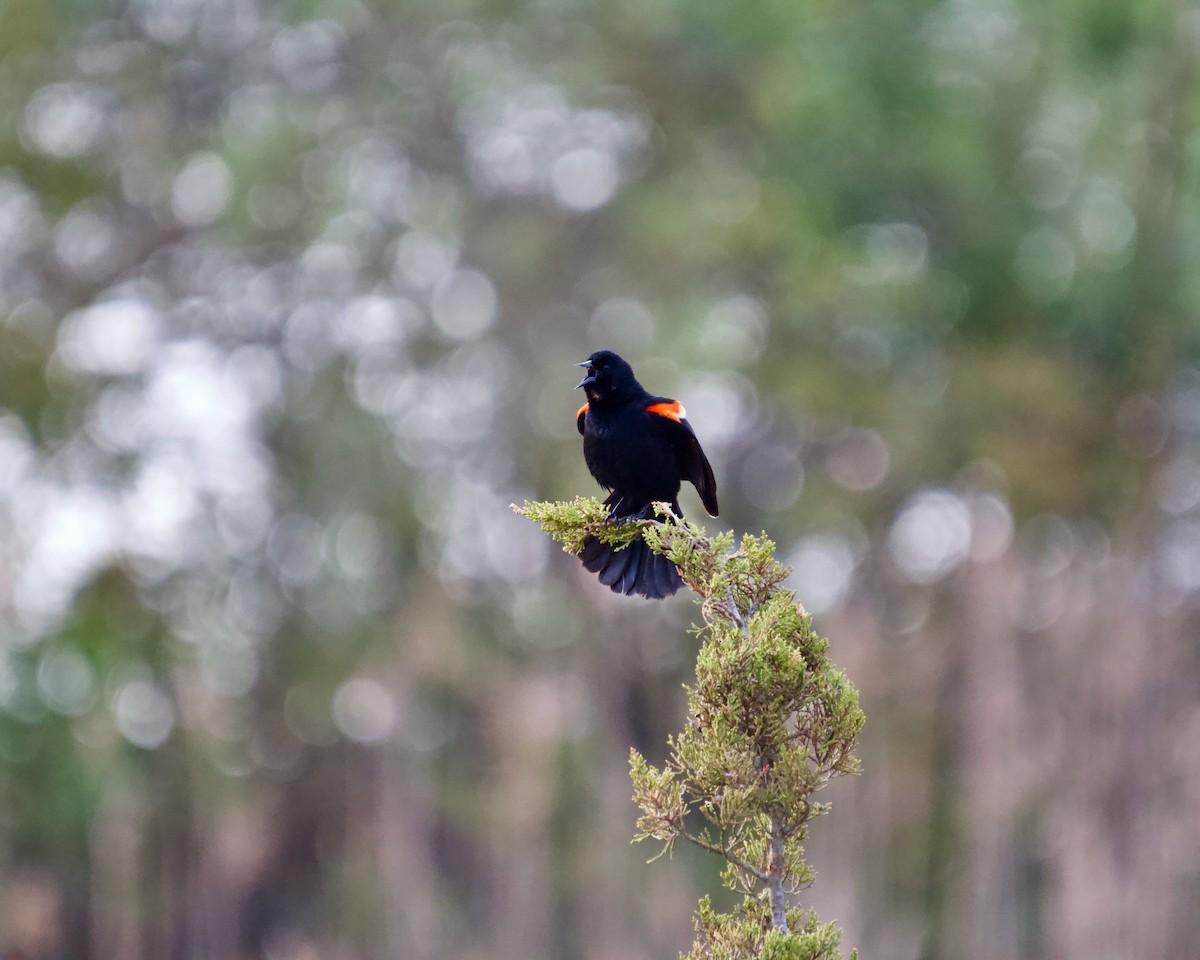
{"x":579,"y":418}
{"x":581,"y":411}
{"x":672,"y":410}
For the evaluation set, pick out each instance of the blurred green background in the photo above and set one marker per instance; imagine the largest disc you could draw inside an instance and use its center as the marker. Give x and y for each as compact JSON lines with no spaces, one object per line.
{"x":289,"y":294}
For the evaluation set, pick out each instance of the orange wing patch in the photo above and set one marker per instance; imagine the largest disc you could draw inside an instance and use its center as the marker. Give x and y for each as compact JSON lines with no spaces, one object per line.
{"x":672,"y":410}
{"x":579,"y":417}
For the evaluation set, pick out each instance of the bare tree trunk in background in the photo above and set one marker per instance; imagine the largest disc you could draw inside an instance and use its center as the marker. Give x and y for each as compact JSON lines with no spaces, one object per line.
{"x":524,"y":717}
{"x":408,"y":869}
{"x":116,"y":852}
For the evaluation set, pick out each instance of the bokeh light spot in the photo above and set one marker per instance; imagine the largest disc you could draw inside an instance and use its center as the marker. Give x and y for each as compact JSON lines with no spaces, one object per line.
{"x":859,"y":459}
{"x":930,"y":535}
{"x":67,"y":120}
{"x":65,"y":680}
{"x":822,"y":571}
{"x":464,"y":304}
{"x":201,"y":190}
{"x":364,"y":710}
{"x":111,"y":337}
{"x":144,"y":713}
{"x":585,"y":179}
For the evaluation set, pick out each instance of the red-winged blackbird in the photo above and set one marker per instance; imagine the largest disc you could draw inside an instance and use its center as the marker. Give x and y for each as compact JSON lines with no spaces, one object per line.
{"x":640,"y":448}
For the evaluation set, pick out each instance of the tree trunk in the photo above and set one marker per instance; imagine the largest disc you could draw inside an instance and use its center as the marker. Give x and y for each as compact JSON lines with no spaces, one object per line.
{"x":775,"y":875}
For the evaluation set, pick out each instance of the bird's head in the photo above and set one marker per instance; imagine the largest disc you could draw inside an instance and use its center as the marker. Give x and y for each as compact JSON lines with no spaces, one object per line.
{"x":607,"y":375}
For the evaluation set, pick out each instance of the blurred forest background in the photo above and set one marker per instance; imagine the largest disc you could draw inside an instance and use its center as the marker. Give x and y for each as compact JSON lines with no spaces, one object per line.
{"x":289,"y":294}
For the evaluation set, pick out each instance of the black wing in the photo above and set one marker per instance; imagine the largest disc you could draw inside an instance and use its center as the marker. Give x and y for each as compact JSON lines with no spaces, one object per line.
{"x":693,"y":464}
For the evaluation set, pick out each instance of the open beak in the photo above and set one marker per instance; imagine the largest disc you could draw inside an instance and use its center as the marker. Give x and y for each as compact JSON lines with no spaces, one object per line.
{"x":591,"y":374}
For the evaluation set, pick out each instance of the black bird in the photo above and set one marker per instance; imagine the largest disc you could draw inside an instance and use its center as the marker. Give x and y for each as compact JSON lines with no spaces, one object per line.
{"x":640,"y":448}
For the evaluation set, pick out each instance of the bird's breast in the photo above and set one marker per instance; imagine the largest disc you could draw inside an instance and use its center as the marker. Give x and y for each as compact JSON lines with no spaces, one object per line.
{"x":627,"y":453}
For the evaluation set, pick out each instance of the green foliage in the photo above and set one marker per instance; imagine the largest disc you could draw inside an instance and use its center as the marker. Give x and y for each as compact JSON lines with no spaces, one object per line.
{"x":747,"y":932}
{"x":570,"y":521}
{"x":771,"y":720}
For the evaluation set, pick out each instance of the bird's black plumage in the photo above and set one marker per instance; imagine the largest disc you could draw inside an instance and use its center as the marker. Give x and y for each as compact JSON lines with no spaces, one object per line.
{"x":639,"y":447}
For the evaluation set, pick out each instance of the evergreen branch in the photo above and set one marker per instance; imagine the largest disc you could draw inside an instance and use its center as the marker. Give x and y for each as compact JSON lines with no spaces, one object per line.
{"x":771,"y":721}
{"x":725,"y":852}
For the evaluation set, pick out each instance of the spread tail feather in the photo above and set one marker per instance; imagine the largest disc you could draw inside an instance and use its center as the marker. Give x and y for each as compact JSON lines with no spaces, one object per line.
{"x":634,"y":569}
